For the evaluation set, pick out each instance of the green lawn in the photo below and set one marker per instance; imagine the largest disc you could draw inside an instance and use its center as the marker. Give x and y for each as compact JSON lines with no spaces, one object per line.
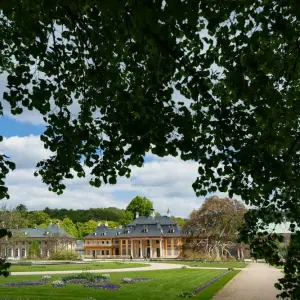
{"x":229,"y":264}
{"x":166,"y":285}
{"x":90,"y":266}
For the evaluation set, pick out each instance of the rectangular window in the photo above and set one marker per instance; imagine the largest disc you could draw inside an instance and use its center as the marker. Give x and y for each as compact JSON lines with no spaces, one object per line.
{"x":116,"y":242}
{"x":129,"y":251}
{"x":175,"y":250}
{"x":102,"y":252}
{"x":98,"y":252}
{"x":23,"y":243}
{"x":129,"y":242}
{"x":175,"y":241}
{"x":16,"y":252}
{"x":123,"y":242}
{"x":123,"y":251}
{"x":169,"y":241}
{"x":88,"y":252}
{"x":107,"y":242}
{"x":103,"y":242}
{"x":107,"y":252}
{"x":10,"y":252}
{"x":157,"y":241}
{"x":23,"y":252}
{"x":169,"y":252}
{"x":87,"y":242}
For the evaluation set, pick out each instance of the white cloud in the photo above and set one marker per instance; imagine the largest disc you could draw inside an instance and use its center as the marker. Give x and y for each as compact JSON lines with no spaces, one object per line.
{"x":26,"y":152}
{"x":166,"y":181}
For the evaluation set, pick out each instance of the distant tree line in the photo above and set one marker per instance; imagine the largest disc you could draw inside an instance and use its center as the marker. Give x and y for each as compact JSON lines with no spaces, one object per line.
{"x":84,"y":215}
{"x":80,"y":222}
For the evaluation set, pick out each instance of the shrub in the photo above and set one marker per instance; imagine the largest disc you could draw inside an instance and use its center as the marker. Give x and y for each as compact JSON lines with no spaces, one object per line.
{"x":46,"y":277}
{"x":186,"y":295}
{"x":58,"y":283}
{"x":64,"y":255}
{"x":184,"y":267}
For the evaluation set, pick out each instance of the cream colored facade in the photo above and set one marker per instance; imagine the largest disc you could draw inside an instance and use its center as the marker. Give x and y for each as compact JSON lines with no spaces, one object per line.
{"x":151,"y":237}
{"x":151,"y":247}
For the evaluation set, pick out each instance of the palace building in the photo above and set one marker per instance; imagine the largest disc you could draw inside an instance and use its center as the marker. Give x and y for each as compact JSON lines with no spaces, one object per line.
{"x":48,"y":240}
{"x":151,"y":237}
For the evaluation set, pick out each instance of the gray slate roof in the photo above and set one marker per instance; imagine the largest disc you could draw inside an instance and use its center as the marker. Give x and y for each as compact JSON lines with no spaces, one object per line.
{"x":52,"y":229}
{"x":155,"y":226}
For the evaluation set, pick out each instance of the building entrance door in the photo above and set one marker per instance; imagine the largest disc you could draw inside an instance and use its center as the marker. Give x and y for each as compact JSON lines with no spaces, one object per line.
{"x":94,"y":254}
{"x":148,"y":252}
{"x":157,"y":252}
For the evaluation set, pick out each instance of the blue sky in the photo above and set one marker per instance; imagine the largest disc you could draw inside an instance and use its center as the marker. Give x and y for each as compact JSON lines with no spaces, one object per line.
{"x":10,"y":127}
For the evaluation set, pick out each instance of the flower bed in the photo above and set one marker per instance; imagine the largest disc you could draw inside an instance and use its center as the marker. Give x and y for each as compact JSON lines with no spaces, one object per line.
{"x":208,"y":283}
{"x":25,"y":283}
{"x":58,"y":283}
{"x":85,"y":278}
{"x":134,"y":280}
{"x":107,"y":286}
{"x":46,"y":277}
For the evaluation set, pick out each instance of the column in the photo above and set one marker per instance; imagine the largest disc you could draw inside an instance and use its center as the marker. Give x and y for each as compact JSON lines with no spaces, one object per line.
{"x":160,"y":248}
{"x":150,"y":248}
{"x":141,"y":247}
{"x":131,"y":248}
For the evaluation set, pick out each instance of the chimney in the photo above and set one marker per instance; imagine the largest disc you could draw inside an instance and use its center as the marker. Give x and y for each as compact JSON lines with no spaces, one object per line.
{"x":152,"y":212}
{"x":137,"y":215}
{"x":169,"y":213}
{"x":99,"y":223}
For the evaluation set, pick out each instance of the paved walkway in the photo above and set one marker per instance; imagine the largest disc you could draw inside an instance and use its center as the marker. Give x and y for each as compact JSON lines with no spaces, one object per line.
{"x":152,"y":267}
{"x":256,"y":282}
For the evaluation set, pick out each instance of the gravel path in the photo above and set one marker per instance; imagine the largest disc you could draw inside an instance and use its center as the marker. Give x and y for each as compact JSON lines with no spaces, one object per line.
{"x":153,"y":266}
{"x":256,"y":282}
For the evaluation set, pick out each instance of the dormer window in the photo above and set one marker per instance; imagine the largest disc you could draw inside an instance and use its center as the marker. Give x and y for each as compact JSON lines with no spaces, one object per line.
{"x":172,"y":229}
{"x":95,"y":233}
{"x":145,"y":229}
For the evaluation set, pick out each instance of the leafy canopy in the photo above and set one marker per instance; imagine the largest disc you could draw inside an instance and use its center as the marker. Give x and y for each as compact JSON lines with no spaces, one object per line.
{"x":140,"y":205}
{"x":119,"y":63}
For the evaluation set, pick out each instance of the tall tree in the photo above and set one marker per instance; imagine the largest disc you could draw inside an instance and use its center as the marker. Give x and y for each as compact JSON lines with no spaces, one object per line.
{"x":68,"y":225}
{"x":237,"y":65}
{"x":126,"y":218}
{"x":140,"y":205}
{"x":213,"y":228}
{"x":38,"y":218}
{"x":21,"y":208}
